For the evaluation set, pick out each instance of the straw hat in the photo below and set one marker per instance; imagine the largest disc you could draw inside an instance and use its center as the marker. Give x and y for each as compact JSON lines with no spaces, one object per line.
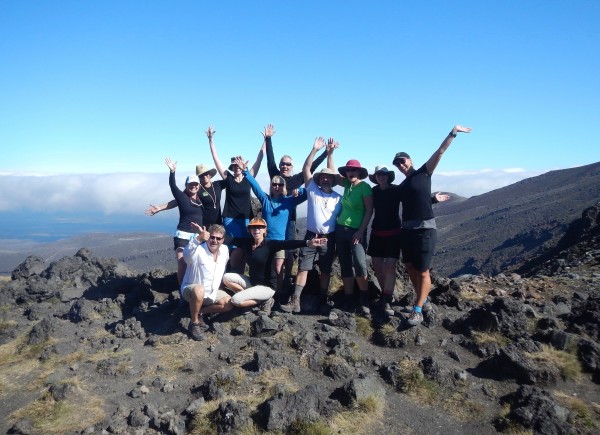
{"x":326,"y":171}
{"x":201,"y":169}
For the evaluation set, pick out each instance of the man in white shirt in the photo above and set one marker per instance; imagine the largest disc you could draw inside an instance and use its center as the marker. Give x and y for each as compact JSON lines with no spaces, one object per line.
{"x":206,"y":258}
{"x":323,"y":207}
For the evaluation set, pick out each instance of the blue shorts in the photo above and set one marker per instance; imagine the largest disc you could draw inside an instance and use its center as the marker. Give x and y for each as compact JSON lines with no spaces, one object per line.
{"x":235,"y":229}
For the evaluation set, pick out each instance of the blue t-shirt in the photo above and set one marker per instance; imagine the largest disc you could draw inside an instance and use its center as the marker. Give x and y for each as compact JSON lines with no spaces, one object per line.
{"x":276,"y":211}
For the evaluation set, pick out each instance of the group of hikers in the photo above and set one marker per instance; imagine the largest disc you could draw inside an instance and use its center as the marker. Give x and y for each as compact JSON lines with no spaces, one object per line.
{"x":213,"y":246}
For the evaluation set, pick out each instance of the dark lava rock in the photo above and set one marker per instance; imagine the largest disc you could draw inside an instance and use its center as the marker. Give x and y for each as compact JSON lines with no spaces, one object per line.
{"x":512,"y":362}
{"x":535,"y":409}
{"x":43,"y":330}
{"x":82,"y":311}
{"x":130,"y":328}
{"x":589,"y":355}
{"x":31,"y":266}
{"x":342,"y":319}
{"x":585,"y":316}
{"x":360,"y":388}
{"x":231,"y":416}
{"x":308,"y":404}
{"x":503,"y":315}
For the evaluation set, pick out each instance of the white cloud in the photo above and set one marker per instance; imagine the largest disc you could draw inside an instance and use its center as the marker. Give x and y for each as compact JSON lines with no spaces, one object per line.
{"x":131,"y":193}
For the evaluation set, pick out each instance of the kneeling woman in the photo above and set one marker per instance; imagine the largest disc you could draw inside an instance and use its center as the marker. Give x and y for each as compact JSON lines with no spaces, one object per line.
{"x":258,"y":287}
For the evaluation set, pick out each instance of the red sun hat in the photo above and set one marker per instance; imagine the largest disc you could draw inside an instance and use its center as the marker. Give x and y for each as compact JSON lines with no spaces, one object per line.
{"x":354,"y":164}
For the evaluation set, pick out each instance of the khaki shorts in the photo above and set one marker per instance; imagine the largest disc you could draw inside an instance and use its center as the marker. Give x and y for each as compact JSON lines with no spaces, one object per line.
{"x":186,"y":294}
{"x":280,"y":255}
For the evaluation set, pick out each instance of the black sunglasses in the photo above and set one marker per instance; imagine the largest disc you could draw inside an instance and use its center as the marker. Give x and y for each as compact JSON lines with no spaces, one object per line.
{"x":285,"y":164}
{"x":218,"y":239}
{"x":400,"y":160}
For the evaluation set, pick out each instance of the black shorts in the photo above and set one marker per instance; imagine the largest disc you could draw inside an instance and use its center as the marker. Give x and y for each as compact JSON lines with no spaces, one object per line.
{"x":322,"y":255}
{"x":384,"y":246}
{"x":179,"y":243}
{"x":418,"y":247}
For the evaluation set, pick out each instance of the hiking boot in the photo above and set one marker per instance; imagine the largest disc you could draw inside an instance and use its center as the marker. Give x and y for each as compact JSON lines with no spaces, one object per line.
{"x":427,"y":306}
{"x":325,"y":305}
{"x":385,"y":303}
{"x":415,"y":318}
{"x":364,"y":303}
{"x":293,"y":306}
{"x":196,"y":331}
{"x":266,"y":307}
{"x":348,"y":305}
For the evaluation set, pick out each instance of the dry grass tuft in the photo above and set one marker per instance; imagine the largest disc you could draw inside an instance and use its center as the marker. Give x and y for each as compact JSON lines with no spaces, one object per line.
{"x":462,"y":408}
{"x":567,"y":363}
{"x":72,"y":415}
{"x":483,"y":338}
{"x":472,"y":295}
{"x":361,"y":415}
{"x":318,"y":427}
{"x":412,"y":382}
{"x":364,"y":327}
{"x":585,"y":417}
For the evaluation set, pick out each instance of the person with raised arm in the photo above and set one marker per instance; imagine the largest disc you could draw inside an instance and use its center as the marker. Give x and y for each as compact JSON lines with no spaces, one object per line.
{"x":238,"y":205}
{"x":206,"y":258}
{"x":350,"y":233}
{"x":257,"y":287}
{"x":277,"y":208}
{"x":385,"y":240}
{"x":210,"y":197}
{"x":419,"y":233}
{"x":190,"y":210}
{"x":323,"y":207}
{"x":285,"y":170}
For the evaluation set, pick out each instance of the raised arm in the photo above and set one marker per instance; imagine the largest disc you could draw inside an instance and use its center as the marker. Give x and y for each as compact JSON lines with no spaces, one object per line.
{"x":307,"y":170}
{"x":213,"y":150}
{"x":437,"y":156}
{"x":318,"y":161}
{"x":153,"y":209}
{"x":271,"y":165}
{"x":332,"y":145}
{"x":256,"y":166}
{"x":258,"y":192}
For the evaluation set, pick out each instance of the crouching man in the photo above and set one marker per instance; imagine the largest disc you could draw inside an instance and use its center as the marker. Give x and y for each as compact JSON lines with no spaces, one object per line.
{"x":206,"y":258}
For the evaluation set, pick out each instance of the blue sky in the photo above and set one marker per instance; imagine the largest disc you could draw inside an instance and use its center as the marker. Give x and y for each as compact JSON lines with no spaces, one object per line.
{"x":95,"y":94}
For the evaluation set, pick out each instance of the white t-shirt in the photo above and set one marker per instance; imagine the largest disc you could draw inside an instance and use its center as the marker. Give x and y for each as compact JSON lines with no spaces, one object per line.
{"x":322,"y":209}
{"x":202,"y":267}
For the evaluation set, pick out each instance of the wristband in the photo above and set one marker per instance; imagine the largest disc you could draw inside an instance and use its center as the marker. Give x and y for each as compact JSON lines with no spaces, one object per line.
{"x":451,"y":133}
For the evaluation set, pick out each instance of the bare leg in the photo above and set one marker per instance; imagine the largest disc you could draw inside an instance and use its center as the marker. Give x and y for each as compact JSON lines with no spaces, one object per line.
{"x":221,"y":306}
{"x":196,"y":298}
{"x":181,"y":266}
{"x":234,"y":287}
{"x":278,"y":263}
{"x":423,"y":283}
{"x":379,"y":268}
{"x":389,"y":272}
{"x":301,"y":277}
{"x":247,"y":303}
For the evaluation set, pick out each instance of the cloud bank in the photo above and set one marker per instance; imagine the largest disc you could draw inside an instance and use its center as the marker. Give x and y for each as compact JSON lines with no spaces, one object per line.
{"x":131,"y":193}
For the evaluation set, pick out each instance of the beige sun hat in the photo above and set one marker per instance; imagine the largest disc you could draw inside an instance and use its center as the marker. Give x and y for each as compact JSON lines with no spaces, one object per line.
{"x":202,"y":169}
{"x":382,"y":169}
{"x":326,"y":171}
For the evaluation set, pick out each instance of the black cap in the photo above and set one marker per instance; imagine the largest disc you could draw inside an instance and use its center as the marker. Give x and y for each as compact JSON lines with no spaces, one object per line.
{"x":400,"y":155}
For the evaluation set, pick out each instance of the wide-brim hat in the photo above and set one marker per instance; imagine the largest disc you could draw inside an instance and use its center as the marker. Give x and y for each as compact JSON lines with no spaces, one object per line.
{"x":354,"y":164}
{"x":202,"y":169}
{"x":326,"y":171}
{"x":382,"y":169}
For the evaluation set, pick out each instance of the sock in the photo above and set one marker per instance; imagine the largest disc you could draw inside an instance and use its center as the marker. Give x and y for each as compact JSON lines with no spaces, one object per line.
{"x":298,"y":290}
{"x":417,"y":309}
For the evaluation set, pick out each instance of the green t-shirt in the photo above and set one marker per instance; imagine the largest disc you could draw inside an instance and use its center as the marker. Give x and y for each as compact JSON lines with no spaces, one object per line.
{"x":353,"y":205}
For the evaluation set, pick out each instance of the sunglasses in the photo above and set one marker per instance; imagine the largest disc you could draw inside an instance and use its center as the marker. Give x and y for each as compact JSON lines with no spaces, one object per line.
{"x":193,"y":184}
{"x":218,"y":239}
{"x":381,"y":173}
{"x":400,"y":160}
{"x":285,"y":164}
{"x":277,"y":184}
{"x":257,"y":227}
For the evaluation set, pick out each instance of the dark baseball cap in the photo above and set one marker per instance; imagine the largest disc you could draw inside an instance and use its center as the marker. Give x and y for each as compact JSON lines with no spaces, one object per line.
{"x":400,"y":155}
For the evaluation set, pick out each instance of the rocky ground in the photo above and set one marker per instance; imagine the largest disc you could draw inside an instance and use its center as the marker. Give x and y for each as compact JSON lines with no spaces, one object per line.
{"x":89,"y":346}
